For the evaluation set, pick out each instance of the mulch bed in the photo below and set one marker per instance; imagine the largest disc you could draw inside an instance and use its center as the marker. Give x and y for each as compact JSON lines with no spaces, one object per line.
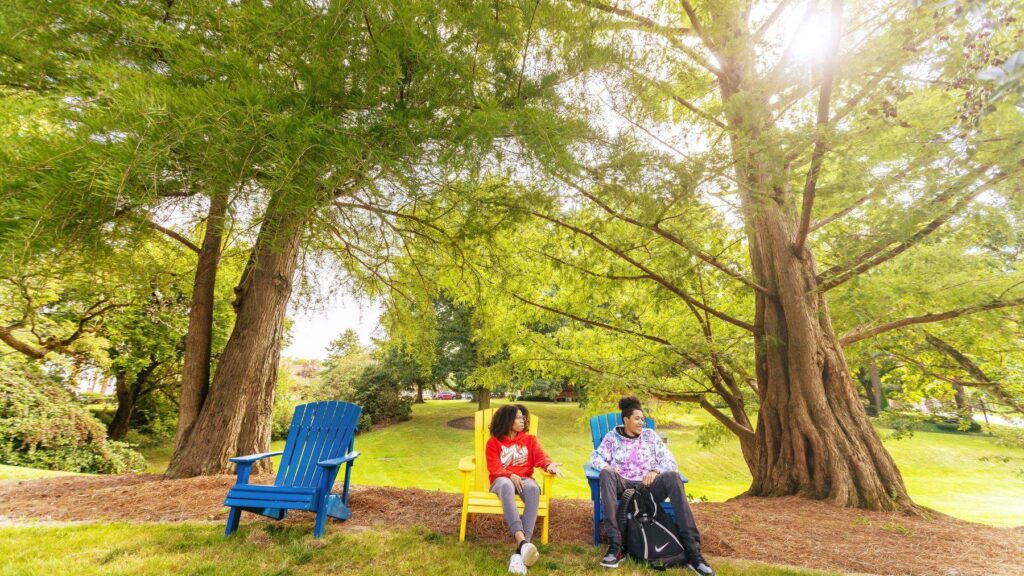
{"x":790,"y":531}
{"x":464,"y":423}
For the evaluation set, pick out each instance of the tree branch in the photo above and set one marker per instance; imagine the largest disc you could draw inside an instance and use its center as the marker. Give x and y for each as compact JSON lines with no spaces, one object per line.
{"x":657,"y":229}
{"x":597,"y":323}
{"x":974,"y":370}
{"x":663,"y":31}
{"x":733,"y":426}
{"x":824,"y":101}
{"x":779,"y":9}
{"x":172,"y":234}
{"x":645,"y":22}
{"x":8,"y":337}
{"x":654,"y":275}
{"x":869,"y":259}
{"x":866,"y":331}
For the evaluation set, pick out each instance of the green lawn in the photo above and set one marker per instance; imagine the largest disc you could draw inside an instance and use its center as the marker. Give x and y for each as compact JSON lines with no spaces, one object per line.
{"x":967,"y":476}
{"x":201,"y":549}
{"x":958,"y":474}
{"x":21,"y":473}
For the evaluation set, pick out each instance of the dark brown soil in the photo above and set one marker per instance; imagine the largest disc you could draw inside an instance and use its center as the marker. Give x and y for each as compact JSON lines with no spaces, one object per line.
{"x":790,"y":531}
{"x":464,"y":423}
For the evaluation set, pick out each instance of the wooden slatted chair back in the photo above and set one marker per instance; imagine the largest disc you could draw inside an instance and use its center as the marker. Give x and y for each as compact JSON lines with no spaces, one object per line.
{"x":481,"y":434}
{"x":319,"y":431}
{"x":601,"y":424}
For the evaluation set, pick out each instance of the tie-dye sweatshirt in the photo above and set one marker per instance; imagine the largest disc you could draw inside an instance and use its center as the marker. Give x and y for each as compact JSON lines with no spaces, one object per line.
{"x":633,"y":457}
{"x":519,"y":456}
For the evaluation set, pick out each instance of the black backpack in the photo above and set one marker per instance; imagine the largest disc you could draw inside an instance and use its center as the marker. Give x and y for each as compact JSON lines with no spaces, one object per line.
{"x":648,"y":534}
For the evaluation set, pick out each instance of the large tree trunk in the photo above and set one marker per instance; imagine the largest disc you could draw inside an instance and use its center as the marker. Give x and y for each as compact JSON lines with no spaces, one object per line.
{"x":419,"y":393}
{"x":195,"y":373}
{"x":256,"y":426}
{"x":813,"y":437}
{"x":873,"y":387}
{"x":242,"y":387}
{"x":127,"y":393}
{"x":963,"y":406}
{"x":483,"y":398}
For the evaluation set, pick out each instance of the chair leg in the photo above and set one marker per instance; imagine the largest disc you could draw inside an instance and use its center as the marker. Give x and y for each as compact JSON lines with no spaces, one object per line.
{"x":233,"y":517}
{"x":462,"y":523}
{"x":321,"y":523}
{"x":597,"y":523}
{"x":544,"y":533}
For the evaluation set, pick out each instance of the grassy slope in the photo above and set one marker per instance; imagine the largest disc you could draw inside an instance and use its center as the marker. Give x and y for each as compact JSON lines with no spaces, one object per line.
{"x":191,"y":548}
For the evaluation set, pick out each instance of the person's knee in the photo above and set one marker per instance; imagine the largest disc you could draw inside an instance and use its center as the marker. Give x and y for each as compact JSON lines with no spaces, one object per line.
{"x":503,"y":486}
{"x":531,"y":489}
{"x":608,"y":475}
{"x":671,"y":477}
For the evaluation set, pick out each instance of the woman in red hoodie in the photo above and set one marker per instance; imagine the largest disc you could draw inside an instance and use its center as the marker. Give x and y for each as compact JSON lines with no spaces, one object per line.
{"x":512,"y":454}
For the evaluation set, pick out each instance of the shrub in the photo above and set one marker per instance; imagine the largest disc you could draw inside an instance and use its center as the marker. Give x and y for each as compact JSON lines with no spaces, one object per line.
{"x":42,"y":426}
{"x":365,"y":422}
{"x":379,"y":392}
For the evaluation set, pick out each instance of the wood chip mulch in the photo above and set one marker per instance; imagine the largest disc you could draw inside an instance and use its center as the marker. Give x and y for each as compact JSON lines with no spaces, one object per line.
{"x":790,"y":531}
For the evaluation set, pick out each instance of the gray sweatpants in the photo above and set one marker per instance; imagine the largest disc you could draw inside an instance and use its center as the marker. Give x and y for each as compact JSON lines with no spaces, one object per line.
{"x":665,"y":485}
{"x":506,"y":492}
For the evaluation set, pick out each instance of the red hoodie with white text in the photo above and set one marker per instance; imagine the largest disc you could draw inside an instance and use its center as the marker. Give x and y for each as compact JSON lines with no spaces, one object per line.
{"x":519,"y":456}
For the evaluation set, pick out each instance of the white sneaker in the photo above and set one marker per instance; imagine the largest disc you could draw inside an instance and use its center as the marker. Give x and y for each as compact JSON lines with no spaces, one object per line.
{"x":515,"y":565}
{"x":529,"y":553}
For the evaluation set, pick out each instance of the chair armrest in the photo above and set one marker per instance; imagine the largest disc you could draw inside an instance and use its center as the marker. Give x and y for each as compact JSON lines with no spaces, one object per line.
{"x":591,"y":472}
{"x":467,"y":464}
{"x":334,"y":462}
{"x":254,"y":457}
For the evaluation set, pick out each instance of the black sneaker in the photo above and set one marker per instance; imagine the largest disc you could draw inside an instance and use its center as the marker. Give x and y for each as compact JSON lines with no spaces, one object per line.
{"x":613,"y":557}
{"x":699,"y":565}
{"x":695,"y":560}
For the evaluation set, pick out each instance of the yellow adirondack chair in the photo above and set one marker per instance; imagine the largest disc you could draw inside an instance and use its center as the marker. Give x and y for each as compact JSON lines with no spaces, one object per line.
{"x":476,"y":495}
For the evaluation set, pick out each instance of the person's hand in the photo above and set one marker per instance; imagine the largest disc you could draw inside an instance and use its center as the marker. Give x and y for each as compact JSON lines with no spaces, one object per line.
{"x":555,"y":469}
{"x":517,"y":482}
{"x":649,"y":478}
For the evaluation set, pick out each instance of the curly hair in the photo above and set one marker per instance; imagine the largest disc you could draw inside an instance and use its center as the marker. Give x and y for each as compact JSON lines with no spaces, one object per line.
{"x":505,"y":417}
{"x":628,"y":405}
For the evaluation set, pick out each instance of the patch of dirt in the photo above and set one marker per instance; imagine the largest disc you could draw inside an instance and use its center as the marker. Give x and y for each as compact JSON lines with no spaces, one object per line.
{"x":465,"y":423}
{"x":789,"y":531}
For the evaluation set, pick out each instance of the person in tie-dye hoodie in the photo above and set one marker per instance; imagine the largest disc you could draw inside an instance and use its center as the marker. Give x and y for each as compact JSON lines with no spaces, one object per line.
{"x":629,"y":456}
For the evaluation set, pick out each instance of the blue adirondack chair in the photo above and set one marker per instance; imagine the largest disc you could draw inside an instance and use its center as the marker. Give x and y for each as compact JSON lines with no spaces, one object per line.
{"x":599,"y":426}
{"x":320,"y":440}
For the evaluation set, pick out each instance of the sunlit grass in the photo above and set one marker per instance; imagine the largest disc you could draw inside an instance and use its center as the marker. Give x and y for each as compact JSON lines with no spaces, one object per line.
{"x":193,"y":548}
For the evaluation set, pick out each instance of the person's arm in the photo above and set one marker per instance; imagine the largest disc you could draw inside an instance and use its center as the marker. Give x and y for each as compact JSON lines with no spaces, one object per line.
{"x":493,"y":452}
{"x":664,"y":461}
{"x":602,"y":457}
{"x":540,"y":457}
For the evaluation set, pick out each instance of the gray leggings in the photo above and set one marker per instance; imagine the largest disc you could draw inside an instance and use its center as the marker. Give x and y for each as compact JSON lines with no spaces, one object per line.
{"x":506,"y":492}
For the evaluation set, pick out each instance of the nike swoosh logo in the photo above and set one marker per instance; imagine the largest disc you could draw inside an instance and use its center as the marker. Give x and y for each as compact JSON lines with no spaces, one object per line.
{"x":662,"y":547}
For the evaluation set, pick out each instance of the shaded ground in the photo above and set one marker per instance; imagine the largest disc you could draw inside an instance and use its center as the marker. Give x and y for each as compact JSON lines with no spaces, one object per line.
{"x":780,"y":531}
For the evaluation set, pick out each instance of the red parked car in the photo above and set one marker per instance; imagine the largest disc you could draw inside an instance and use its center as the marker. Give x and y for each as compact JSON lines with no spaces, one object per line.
{"x":446,"y":395}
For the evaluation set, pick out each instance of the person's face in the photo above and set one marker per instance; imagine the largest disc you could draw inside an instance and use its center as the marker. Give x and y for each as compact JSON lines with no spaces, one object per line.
{"x":635,"y":423}
{"x":519,"y":424}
